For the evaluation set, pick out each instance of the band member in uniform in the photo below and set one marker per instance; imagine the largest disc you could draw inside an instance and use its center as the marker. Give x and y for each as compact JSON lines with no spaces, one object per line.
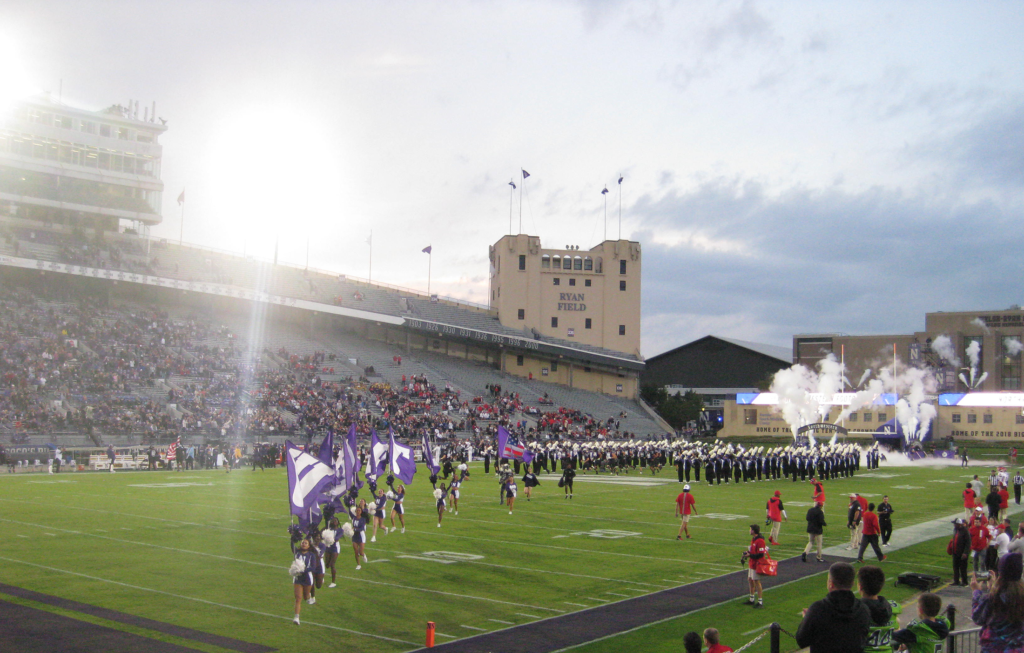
{"x":1018,"y":483}
{"x":567,"y":475}
{"x":685,"y":506}
{"x":398,"y":497}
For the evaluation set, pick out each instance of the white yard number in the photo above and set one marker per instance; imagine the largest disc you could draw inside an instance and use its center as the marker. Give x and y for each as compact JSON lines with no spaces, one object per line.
{"x":724,"y":516}
{"x":607,"y":534}
{"x":444,"y":557}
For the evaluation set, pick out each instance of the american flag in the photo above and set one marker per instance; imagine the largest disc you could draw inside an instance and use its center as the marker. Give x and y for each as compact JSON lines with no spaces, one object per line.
{"x":173,"y":449}
{"x":508,"y":445}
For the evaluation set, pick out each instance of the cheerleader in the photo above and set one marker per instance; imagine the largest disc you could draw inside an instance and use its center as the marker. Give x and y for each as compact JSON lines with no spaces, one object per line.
{"x":376,"y":508}
{"x":453,"y":492}
{"x":398,"y":497}
{"x":440,"y":494}
{"x":319,"y":548}
{"x":529,"y":482}
{"x":359,"y":535}
{"x":510,"y":493}
{"x":302,"y":570}
{"x":333,"y":548}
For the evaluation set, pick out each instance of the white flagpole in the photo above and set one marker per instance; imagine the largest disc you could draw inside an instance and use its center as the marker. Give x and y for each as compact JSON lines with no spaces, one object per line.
{"x":620,"y":206}
{"x":511,"y":199}
{"x":369,"y":273}
{"x":430,"y":256}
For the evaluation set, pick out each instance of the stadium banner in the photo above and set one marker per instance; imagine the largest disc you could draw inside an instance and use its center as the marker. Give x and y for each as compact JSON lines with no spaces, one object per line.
{"x":208,"y":288}
{"x":31,"y":453}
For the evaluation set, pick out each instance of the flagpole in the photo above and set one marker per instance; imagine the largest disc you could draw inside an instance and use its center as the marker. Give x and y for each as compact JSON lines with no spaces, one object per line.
{"x":369,"y":273}
{"x":522,"y":183}
{"x":605,"y":195}
{"x":511,"y":199}
{"x":620,"y":206}
{"x":430,"y":257}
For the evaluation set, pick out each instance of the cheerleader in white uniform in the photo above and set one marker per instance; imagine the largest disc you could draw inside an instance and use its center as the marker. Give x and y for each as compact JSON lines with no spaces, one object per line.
{"x":510,"y":494}
{"x":440,"y":494}
{"x":359,"y":536}
{"x":376,"y":508}
{"x":398,"y":496}
{"x":302,"y":570}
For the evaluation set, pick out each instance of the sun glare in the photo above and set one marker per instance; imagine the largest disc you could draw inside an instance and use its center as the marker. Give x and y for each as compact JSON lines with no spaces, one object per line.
{"x":15,"y":83}
{"x":273,"y":174}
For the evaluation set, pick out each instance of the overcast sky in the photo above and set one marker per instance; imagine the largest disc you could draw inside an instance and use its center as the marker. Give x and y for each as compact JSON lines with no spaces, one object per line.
{"x":789,"y":167}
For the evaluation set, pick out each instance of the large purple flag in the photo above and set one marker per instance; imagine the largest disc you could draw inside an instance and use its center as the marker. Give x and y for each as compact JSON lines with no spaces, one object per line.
{"x":326,"y":454}
{"x":377,"y":461}
{"x":428,"y":455}
{"x":307,"y":479}
{"x":402,"y":459}
{"x":348,"y":461}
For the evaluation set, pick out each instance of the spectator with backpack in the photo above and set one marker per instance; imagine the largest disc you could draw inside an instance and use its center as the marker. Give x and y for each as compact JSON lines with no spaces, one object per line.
{"x":928,"y":632}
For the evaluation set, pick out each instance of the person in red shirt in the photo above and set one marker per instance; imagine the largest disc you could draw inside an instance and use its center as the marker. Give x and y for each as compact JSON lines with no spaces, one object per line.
{"x":711,"y":641}
{"x":969,"y":498}
{"x":775,"y":512}
{"x":756,"y":552}
{"x":1004,"y":501}
{"x":818,"y":496}
{"x":979,"y":543}
{"x":685,"y":506}
{"x":869,"y":534}
{"x":862,"y":501}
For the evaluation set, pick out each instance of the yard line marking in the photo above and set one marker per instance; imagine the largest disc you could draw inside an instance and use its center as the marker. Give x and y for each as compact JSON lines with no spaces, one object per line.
{"x":633,"y":589}
{"x":264,"y":564}
{"x":594,"y":598}
{"x":204,"y":601}
{"x":381,"y":560}
{"x":483,"y":630}
{"x":617,"y":594}
{"x":50,"y":534}
{"x":24,"y":536}
{"x":581,"y":605}
{"x":531,"y":616}
{"x":443,"y":635}
{"x":499,"y":621}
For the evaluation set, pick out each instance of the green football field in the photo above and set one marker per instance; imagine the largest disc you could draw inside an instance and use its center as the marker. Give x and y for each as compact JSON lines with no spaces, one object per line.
{"x":209,"y":550}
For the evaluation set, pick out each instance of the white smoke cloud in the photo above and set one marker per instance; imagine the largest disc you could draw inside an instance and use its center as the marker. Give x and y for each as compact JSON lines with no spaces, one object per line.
{"x":1012,"y":346}
{"x":943,"y":346}
{"x":980,"y":323}
{"x":974,"y":355}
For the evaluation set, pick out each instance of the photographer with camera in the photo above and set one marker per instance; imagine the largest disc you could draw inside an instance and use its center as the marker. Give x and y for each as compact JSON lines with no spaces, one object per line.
{"x":757,"y":550}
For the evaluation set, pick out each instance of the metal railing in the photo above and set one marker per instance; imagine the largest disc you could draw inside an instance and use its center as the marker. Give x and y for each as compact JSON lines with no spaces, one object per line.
{"x":964,"y":641}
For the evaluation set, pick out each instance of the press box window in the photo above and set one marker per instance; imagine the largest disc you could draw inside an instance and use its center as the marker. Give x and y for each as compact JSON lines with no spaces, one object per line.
{"x":750,"y":416}
{"x":572,"y":282}
{"x":587,"y":323}
{"x":956,"y":418}
{"x":867,"y":417}
{"x":622,"y":329}
{"x":522,"y":261}
{"x":519,"y":361}
{"x":622,"y":267}
{"x":622,"y":285}
{"x":853,"y":417}
{"x":522,"y":314}
{"x":972,"y":419}
{"x":557,"y":281}
{"x":987,"y":418}
{"x":586,"y":282}
{"x":1019,"y":419}
{"x":554,"y":322}
{"x":882,"y":417}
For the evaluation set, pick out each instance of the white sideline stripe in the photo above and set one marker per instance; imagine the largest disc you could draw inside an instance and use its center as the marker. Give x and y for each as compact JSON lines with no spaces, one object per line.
{"x":581,"y":605}
{"x":594,"y":598}
{"x":204,"y":601}
{"x":531,"y":616}
{"x":483,"y":630}
{"x":499,"y":621}
{"x":617,"y":594}
{"x":443,"y":635}
{"x":264,"y":564}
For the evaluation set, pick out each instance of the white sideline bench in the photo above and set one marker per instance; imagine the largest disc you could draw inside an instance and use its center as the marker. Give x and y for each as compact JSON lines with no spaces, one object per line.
{"x":121,"y":461}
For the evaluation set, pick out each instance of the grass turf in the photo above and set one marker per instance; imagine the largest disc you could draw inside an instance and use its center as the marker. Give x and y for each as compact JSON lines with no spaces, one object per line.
{"x":209,"y":550}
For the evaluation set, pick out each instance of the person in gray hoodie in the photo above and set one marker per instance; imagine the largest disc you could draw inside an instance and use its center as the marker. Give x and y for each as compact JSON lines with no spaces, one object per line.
{"x":838,"y":623}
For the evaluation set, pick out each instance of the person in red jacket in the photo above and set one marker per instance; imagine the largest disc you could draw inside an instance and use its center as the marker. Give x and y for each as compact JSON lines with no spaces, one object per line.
{"x":756,"y":552}
{"x":969,"y":501}
{"x":870,"y":533}
{"x":712,"y":642}
{"x":1004,"y":501}
{"x":979,"y":544}
{"x":818,"y":495}
{"x":775,"y":512}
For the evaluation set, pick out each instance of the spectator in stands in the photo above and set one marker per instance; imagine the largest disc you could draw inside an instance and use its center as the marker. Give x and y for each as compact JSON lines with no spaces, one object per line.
{"x":839,"y":623}
{"x":692,"y":642}
{"x":999,"y":608}
{"x":711,"y":641}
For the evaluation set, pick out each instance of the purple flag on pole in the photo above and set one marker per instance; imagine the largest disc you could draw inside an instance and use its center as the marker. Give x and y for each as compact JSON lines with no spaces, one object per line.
{"x":403,"y":461}
{"x":377,"y":461}
{"x":326,"y":454}
{"x":307,"y":479}
{"x":510,"y":447}
{"x":428,"y":455}
{"x":348,"y":460}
